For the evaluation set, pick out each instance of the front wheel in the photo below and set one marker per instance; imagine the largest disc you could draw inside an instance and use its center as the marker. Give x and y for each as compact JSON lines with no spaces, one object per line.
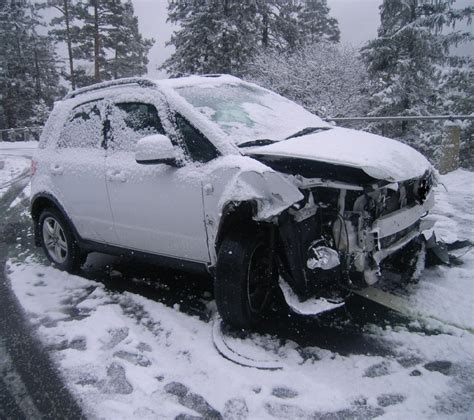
{"x":245,"y":278}
{"x":58,"y":241}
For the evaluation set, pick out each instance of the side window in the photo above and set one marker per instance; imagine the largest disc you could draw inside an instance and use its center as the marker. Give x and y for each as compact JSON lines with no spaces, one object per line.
{"x":129,"y":122}
{"x":199,"y":147}
{"x":83,"y":128}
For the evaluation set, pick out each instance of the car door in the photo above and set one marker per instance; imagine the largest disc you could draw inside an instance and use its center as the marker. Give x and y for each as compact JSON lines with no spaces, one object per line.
{"x":156,"y":208}
{"x":77,"y":171}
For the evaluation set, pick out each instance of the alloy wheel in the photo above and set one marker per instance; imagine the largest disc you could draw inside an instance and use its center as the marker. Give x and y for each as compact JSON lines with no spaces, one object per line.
{"x":55,"y":240}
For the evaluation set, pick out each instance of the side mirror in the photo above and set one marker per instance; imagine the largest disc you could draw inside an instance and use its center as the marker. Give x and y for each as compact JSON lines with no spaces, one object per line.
{"x":155,"y":149}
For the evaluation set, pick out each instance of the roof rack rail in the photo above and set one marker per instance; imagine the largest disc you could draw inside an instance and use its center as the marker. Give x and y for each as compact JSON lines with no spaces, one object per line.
{"x":199,"y":75}
{"x":125,"y":81}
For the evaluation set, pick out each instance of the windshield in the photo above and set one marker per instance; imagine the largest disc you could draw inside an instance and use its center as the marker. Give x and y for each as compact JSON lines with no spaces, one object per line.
{"x":249,"y":113}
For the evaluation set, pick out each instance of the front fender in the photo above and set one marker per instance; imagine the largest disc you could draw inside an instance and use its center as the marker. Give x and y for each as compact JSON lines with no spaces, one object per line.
{"x":270,"y":191}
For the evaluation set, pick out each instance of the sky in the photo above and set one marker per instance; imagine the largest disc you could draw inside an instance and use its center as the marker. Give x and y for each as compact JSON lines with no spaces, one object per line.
{"x":358,"y":22}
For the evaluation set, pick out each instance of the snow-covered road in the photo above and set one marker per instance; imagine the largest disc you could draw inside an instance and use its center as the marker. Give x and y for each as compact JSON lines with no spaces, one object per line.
{"x":134,"y":340}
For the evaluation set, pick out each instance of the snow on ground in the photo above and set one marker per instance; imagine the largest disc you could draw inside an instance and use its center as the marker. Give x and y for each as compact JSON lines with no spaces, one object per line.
{"x":14,"y":161}
{"x":10,"y":168}
{"x":17,"y":148}
{"x":125,"y":355}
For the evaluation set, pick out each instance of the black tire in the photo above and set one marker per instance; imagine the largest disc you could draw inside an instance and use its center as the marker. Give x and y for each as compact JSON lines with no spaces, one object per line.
{"x":246,"y":276}
{"x":70,"y":256}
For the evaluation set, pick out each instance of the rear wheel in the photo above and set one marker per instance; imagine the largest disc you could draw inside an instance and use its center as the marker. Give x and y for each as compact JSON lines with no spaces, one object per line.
{"x":245,"y":278}
{"x":58,"y":241}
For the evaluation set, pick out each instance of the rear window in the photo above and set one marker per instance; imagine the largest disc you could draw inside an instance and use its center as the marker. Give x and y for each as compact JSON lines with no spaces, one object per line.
{"x":83,"y":128}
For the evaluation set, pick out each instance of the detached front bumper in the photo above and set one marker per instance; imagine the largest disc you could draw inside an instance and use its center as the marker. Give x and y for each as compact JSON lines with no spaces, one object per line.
{"x":388,"y":235}
{"x":394,"y":231}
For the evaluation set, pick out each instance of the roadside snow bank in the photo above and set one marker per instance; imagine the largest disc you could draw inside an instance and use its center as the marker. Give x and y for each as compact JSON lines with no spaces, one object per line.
{"x":447,"y":293}
{"x":5,"y":145}
{"x":11,"y":167}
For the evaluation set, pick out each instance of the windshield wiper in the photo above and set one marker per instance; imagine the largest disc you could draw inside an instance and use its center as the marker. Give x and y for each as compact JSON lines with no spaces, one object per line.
{"x":258,"y":142}
{"x":265,"y":142}
{"x":307,"y":130}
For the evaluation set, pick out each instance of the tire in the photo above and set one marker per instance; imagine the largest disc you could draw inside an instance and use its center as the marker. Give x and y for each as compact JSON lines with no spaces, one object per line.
{"x":58,"y":241}
{"x":246,"y":274}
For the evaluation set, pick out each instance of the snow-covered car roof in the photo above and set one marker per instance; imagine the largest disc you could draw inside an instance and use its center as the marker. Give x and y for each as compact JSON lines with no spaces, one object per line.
{"x":207,"y":79}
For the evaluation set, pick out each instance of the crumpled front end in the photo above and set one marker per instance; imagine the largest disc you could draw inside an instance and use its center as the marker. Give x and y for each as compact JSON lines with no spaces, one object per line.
{"x":328,"y":233}
{"x":340,"y":234}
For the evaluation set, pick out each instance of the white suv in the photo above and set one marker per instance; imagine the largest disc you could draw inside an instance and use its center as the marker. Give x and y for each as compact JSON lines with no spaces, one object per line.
{"x":213,"y":173}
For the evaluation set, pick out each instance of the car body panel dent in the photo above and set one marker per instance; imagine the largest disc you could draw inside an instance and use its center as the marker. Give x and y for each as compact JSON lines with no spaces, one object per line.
{"x":271,"y":192}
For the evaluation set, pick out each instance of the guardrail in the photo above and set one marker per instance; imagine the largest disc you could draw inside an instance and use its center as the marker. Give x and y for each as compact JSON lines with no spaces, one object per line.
{"x":20,"y":134}
{"x":403,"y":118}
{"x":451,"y":140}
{"x":450,"y":145}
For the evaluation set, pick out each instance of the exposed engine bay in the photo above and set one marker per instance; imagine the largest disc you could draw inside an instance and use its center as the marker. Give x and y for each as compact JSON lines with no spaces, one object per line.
{"x":337,"y":237}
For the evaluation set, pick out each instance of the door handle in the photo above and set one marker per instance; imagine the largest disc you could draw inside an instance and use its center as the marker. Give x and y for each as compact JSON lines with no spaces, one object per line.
{"x":116,"y":176}
{"x":56,"y":169}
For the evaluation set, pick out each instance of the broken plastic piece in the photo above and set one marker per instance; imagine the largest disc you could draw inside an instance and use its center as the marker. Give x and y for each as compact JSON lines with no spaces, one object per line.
{"x":312,"y":306}
{"x":437,"y":251}
{"x":322,"y":257}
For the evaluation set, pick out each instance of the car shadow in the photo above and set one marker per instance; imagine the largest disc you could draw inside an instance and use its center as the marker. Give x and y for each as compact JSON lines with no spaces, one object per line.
{"x":343,"y":331}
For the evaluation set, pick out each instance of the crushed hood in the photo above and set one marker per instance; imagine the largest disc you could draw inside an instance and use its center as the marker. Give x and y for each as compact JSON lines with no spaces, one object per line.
{"x":379,"y":157}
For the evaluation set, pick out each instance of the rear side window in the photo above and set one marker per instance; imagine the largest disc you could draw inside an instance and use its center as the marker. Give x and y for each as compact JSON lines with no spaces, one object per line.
{"x":129,"y":122}
{"x":83,"y":128}
{"x":198,"y":146}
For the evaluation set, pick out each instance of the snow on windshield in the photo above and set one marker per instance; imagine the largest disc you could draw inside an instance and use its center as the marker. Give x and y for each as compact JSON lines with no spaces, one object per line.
{"x":246,"y":112}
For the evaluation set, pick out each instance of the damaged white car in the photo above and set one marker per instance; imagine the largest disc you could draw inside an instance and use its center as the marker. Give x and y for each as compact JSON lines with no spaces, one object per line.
{"x":213,"y":173}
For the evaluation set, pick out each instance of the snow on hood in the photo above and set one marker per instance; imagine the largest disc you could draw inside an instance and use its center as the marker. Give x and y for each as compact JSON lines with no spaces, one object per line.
{"x":377,"y":156}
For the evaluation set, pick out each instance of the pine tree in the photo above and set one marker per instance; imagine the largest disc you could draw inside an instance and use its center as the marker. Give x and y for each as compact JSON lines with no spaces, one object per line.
{"x":102,"y":33}
{"x":29,"y":80}
{"x":405,"y":63}
{"x":129,"y":50}
{"x":279,"y":21}
{"x":223,"y":36}
{"x":215,"y":36}
{"x":64,"y":30}
{"x":94,"y":19}
{"x":315,"y":23}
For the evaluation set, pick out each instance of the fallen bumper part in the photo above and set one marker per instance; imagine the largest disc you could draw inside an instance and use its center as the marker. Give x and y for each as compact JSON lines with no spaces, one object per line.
{"x":308,"y":307}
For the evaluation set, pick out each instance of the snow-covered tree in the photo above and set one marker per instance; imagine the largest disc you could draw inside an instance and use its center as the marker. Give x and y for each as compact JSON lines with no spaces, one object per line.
{"x":406,"y":63}
{"x":215,"y":36}
{"x":326,"y":78}
{"x":29,"y":79}
{"x":222,"y":36}
{"x":129,"y":50}
{"x":65,"y":30}
{"x":278,"y":23}
{"x":102,"y":33}
{"x":315,"y":24}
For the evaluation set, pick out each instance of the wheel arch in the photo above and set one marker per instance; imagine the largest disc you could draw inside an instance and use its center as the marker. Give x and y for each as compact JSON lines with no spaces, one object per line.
{"x":239,"y":215}
{"x":235,"y":214}
{"x":44,"y":201}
